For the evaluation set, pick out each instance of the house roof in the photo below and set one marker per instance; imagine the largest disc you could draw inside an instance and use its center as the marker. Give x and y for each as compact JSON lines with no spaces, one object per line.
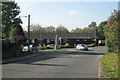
{"x":62,"y":35}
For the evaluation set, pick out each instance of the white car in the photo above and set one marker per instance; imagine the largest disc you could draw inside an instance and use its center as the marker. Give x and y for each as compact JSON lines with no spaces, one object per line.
{"x":31,"y":47}
{"x":81,"y":47}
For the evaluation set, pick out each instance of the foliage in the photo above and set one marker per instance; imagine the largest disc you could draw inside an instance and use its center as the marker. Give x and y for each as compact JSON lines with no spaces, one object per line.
{"x":101,"y":30}
{"x":50,"y":29}
{"x":92,"y":25}
{"x":10,"y":11}
{"x":36,"y":28}
{"x":90,"y":45}
{"x":18,"y":38}
{"x":88,"y":30}
{"x":110,"y":65}
{"x":18,"y":31}
{"x":67,"y":45}
{"x":111,"y":32}
{"x":11,"y":29}
{"x":77,"y":30}
{"x":10,"y":49}
{"x":17,"y":34}
{"x":61,"y":29}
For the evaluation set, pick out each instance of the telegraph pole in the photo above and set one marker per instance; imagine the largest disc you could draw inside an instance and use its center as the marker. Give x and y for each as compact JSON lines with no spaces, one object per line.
{"x":28,"y":32}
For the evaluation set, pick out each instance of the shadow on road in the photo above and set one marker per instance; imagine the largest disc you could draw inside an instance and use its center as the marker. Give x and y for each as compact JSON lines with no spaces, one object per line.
{"x":46,"y":55}
{"x":83,"y":53}
{"x":49,"y":64}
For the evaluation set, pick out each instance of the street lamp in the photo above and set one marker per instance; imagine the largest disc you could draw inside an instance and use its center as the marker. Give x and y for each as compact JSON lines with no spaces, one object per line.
{"x":23,"y":16}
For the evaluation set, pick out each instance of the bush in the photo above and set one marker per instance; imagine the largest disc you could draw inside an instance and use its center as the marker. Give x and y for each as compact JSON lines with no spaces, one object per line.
{"x":62,"y":46}
{"x":67,"y":45}
{"x":90,"y":45}
{"x":10,"y":49}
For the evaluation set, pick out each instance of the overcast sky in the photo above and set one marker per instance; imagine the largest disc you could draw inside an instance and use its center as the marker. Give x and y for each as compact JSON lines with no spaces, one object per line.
{"x":70,"y":14}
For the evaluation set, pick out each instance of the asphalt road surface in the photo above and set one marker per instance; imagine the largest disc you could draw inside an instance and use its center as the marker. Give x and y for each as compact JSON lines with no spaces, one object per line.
{"x":62,"y":64}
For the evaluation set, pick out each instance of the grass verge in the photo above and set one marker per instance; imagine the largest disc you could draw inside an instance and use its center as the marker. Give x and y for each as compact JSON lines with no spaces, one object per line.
{"x":55,"y":50}
{"x":110,"y":65}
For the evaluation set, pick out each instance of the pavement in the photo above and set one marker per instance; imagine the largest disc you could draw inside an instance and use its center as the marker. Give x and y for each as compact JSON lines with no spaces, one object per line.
{"x":17,"y":59}
{"x":55,"y":64}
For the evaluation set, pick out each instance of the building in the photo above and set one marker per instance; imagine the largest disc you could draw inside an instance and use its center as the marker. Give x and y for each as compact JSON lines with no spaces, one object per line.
{"x":71,"y":38}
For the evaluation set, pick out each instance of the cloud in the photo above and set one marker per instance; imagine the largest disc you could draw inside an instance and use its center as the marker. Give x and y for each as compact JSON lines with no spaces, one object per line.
{"x":73,"y":12}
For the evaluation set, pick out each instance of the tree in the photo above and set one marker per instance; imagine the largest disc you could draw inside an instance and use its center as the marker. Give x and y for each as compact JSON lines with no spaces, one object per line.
{"x":50,"y":29}
{"x":18,"y":31}
{"x":88,"y":30}
{"x":61,"y":29}
{"x":34,"y":27}
{"x":101,"y":30}
{"x":77,"y":30}
{"x":93,"y":28}
{"x":92,"y":25}
{"x":17,"y":34}
{"x":10,"y":11}
{"x":112,"y":32}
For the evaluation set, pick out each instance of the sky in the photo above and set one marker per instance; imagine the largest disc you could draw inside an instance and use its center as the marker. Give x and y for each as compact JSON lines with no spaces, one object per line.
{"x":70,"y":14}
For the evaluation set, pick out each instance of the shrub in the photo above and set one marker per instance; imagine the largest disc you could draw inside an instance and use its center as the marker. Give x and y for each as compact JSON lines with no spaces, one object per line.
{"x":90,"y":45}
{"x":18,"y":38}
{"x":67,"y":45}
{"x":10,"y":49}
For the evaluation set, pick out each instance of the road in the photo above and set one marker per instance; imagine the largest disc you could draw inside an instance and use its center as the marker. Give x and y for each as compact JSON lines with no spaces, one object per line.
{"x":62,"y":64}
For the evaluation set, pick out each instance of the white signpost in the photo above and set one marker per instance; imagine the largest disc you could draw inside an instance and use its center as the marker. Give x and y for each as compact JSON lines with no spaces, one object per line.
{"x":56,"y":42}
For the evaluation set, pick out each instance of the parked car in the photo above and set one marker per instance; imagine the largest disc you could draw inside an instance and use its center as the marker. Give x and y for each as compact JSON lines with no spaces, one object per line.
{"x":51,"y":46}
{"x":31,"y":48}
{"x":81,"y":47}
